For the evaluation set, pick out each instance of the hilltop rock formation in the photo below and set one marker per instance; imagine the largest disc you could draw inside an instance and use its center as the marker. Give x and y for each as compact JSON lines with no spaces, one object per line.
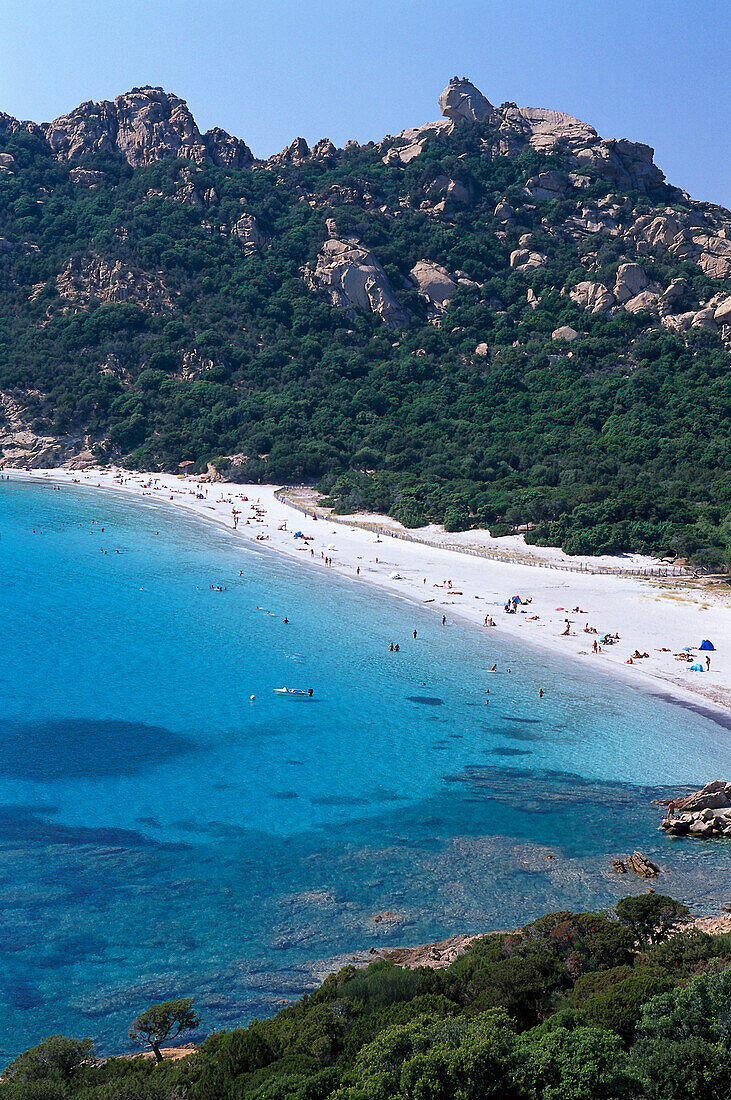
{"x":299,"y":152}
{"x":148,"y":124}
{"x":352,"y":277}
{"x":510,"y":129}
{"x":461,"y":101}
{"x":142,"y":126}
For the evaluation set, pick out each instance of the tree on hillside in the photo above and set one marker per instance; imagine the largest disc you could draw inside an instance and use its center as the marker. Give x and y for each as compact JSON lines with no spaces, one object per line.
{"x":651,"y":917}
{"x":164,"y":1021}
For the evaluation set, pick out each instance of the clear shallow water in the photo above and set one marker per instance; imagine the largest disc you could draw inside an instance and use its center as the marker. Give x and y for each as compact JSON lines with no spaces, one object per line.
{"x":161,"y":835}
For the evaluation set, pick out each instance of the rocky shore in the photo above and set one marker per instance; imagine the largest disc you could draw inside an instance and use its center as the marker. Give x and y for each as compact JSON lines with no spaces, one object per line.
{"x":704,"y":813}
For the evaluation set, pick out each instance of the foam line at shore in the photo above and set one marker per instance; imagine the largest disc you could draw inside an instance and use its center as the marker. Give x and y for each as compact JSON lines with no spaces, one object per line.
{"x":660,"y":618}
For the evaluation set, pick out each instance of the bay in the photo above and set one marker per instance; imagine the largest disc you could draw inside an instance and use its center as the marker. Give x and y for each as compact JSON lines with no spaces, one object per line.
{"x":164,"y":834}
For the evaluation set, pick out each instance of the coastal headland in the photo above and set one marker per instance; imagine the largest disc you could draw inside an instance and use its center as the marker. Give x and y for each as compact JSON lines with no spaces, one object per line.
{"x":660,"y":620}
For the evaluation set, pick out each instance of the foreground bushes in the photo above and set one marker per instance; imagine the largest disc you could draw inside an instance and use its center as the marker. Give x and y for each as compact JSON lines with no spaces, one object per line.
{"x":572,"y":1007}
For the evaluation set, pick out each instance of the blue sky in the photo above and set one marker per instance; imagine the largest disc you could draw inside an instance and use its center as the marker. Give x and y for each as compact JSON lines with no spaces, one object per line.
{"x":649,"y":70}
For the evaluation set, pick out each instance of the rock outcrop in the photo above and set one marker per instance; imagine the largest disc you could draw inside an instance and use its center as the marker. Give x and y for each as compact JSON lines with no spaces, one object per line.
{"x":352,"y":278}
{"x":445,"y":195}
{"x":22,"y":447}
{"x":510,"y":129}
{"x":461,"y":101}
{"x":86,"y":177}
{"x":248,"y":231}
{"x":142,"y":126}
{"x":92,"y":278}
{"x":565,"y":332}
{"x":704,"y":813}
{"x":295,"y":154}
{"x":523,"y":259}
{"x":406,"y":146}
{"x":225,"y":150}
{"x":630,"y":280}
{"x":435,"y":284}
{"x":641,"y":865}
{"x":594,"y":297}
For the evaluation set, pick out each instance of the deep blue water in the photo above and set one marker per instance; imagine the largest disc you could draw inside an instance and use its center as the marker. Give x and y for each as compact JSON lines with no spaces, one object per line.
{"x":162,"y":835}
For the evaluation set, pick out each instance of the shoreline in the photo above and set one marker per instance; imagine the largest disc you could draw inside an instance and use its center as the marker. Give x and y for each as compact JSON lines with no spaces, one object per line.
{"x":649,"y":615}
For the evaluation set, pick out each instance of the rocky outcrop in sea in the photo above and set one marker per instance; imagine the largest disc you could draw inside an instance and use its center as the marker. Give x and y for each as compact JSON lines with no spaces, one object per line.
{"x":704,"y":813}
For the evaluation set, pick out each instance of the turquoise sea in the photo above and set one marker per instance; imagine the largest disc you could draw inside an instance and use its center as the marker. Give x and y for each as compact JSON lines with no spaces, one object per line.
{"x":163,"y":835}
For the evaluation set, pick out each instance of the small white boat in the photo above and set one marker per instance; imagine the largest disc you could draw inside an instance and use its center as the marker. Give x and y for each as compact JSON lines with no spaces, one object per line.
{"x":300,"y":693}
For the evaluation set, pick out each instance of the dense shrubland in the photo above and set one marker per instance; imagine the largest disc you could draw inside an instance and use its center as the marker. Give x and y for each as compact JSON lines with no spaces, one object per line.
{"x":572,"y":1007}
{"x":618,"y":442}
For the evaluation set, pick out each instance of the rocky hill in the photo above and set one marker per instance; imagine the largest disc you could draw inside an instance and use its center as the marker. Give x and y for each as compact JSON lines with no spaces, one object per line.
{"x":499,"y":317}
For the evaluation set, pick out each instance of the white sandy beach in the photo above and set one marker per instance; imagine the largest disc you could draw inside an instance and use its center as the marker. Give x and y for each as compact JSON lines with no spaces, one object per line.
{"x":659,"y":617}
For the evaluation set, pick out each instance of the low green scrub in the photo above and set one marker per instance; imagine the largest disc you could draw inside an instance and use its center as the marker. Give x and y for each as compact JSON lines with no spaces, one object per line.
{"x":568,"y":1008}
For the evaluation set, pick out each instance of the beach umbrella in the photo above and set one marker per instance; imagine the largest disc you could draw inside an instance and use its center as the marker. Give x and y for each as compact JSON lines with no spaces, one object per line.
{"x":705,"y":644}
{"x":688,"y":649}
{"x":331,"y":546}
{"x":697,"y":668}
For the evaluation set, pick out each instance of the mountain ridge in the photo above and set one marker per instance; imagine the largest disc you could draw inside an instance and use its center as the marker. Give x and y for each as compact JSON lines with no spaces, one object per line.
{"x":147,"y":123}
{"x":458,"y":322}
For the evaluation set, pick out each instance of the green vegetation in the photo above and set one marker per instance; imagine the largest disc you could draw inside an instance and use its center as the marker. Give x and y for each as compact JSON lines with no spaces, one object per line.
{"x":161,"y":1023}
{"x":572,"y":1007}
{"x":617,"y":441}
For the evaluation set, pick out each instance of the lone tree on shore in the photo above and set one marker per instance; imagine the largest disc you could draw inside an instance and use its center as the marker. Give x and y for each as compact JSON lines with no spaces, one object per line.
{"x":162,"y":1022}
{"x":651,"y":918}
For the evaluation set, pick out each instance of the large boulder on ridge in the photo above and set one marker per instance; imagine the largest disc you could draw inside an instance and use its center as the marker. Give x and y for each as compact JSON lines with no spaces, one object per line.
{"x":461,"y":101}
